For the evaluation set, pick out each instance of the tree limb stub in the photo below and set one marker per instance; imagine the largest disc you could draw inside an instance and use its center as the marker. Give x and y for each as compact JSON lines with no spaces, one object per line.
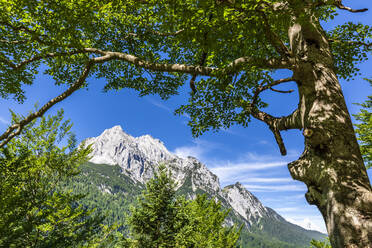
{"x":276,"y":124}
{"x":16,"y":128}
{"x":281,"y":91}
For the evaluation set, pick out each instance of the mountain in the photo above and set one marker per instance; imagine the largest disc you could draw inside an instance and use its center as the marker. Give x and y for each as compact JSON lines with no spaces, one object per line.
{"x":121,"y":164}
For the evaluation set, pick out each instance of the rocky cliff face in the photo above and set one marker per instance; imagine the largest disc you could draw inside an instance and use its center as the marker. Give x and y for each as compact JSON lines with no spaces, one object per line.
{"x":139,"y":158}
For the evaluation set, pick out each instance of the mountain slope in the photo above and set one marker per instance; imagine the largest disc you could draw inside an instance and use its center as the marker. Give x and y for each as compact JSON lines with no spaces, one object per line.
{"x":122,"y":164}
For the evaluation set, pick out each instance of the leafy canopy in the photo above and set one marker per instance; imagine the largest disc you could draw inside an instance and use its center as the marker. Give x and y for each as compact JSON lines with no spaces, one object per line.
{"x":153,"y":45}
{"x":320,"y":243}
{"x":364,"y":129}
{"x":34,"y":213}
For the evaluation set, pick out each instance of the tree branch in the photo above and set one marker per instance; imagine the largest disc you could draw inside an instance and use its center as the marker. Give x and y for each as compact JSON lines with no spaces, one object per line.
{"x":156,"y":33}
{"x":360,"y":43}
{"x":201,"y":63}
{"x":233,"y":67}
{"x":16,"y":128}
{"x":281,"y":91}
{"x":262,"y":88}
{"x":338,"y":4}
{"x":13,"y":42}
{"x":34,"y":35}
{"x":292,"y":121}
{"x":42,"y":56}
{"x":275,"y":40}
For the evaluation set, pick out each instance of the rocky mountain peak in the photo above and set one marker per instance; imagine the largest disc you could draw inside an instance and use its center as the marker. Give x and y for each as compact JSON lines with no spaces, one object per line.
{"x":244,"y":202}
{"x":139,"y":158}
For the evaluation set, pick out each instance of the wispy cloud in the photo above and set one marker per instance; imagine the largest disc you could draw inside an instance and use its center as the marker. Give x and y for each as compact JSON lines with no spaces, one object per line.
{"x":185,"y":151}
{"x":164,"y":107}
{"x":313,"y":222}
{"x":158,"y":104}
{"x":234,"y":171}
{"x":264,"y":142}
{"x":251,"y":168}
{"x":266,"y":180}
{"x":288,"y":199}
{"x":274,"y":188}
{"x":287,"y":209}
{"x":4,"y":121}
{"x":263,"y":174}
{"x":198,"y":149}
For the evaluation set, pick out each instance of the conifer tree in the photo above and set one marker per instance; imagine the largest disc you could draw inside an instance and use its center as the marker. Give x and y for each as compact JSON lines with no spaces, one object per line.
{"x":33,"y":212}
{"x":152,"y":223}
{"x":161,"y":219}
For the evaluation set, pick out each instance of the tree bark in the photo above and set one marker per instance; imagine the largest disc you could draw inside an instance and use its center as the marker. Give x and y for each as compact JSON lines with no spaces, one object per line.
{"x":331,"y":164}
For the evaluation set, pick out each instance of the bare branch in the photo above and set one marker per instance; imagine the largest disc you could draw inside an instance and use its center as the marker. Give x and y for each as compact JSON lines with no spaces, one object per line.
{"x":341,"y":6}
{"x":167,"y":34}
{"x":367,"y":45}
{"x":233,"y":67}
{"x":292,"y":121}
{"x":281,"y":91}
{"x":16,"y":128}
{"x":268,"y":119}
{"x":262,"y":88}
{"x":239,"y":63}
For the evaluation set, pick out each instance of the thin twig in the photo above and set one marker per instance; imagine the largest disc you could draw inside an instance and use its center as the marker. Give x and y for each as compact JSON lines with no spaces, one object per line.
{"x":262,"y":88}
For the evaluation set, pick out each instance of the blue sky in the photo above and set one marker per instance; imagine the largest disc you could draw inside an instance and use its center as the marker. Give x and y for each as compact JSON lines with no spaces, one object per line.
{"x":248,"y":155}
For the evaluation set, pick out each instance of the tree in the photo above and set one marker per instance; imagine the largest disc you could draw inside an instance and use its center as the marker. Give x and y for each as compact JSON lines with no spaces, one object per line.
{"x":163,"y":220}
{"x":204,"y":225}
{"x":34,"y":213}
{"x":237,"y":46}
{"x":364,"y":129}
{"x":320,"y":244}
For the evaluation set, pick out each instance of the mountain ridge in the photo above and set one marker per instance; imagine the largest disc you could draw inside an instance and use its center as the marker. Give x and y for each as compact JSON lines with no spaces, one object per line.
{"x":138,"y":158}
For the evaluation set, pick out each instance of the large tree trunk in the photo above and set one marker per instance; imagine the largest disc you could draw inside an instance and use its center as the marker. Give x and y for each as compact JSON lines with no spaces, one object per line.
{"x":331,"y":165}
